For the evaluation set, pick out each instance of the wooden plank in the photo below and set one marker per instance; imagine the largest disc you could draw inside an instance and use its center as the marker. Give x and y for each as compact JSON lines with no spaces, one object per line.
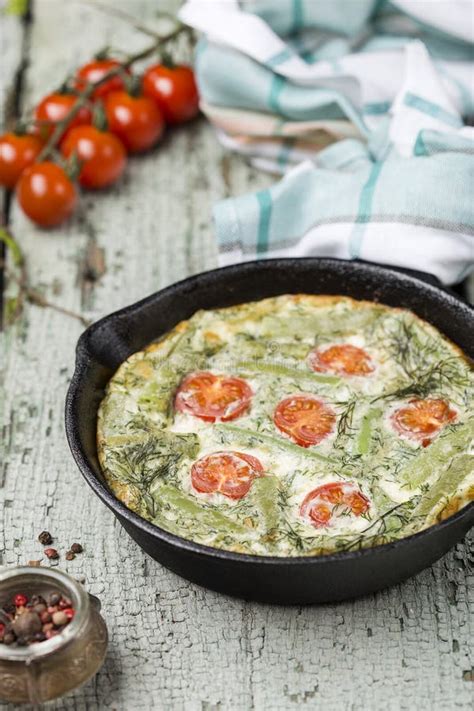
{"x":174,"y":645}
{"x":14,"y":46}
{"x":11,"y":42}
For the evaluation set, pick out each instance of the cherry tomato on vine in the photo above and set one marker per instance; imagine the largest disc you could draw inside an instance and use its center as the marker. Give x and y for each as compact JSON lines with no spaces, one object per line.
{"x":46,"y":194}
{"x":94,"y":71}
{"x":136,"y":120}
{"x":102,"y":155}
{"x":174,"y":90}
{"x":54,"y":107}
{"x":17,"y":152}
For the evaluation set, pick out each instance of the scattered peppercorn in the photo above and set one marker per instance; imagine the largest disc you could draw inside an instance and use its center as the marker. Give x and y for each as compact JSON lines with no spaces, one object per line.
{"x":70,"y":555}
{"x":51,"y":553}
{"x":76,"y":548}
{"x":45,"y":538}
{"x":31,"y":620}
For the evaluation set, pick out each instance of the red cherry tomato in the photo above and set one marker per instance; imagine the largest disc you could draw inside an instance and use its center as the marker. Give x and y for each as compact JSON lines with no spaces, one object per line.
{"x":174,"y":90}
{"x":305,"y":419}
{"x":213,"y":397}
{"x":423,"y":419}
{"x":136,"y":120}
{"x":54,"y":107}
{"x":94,"y":71}
{"x":17,"y":152}
{"x":343,"y":359}
{"x":46,"y":194}
{"x":102,"y":154}
{"x":332,"y":500}
{"x":229,"y":473}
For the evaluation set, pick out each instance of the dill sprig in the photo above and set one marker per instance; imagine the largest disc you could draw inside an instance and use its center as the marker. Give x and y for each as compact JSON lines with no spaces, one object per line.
{"x":445,"y":373}
{"x":385,"y":528}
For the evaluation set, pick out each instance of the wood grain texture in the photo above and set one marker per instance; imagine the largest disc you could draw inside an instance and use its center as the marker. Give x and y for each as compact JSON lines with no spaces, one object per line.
{"x":174,"y":645}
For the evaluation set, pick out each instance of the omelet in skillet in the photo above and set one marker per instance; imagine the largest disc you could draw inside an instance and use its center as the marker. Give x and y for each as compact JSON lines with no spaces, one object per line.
{"x":296,"y":425}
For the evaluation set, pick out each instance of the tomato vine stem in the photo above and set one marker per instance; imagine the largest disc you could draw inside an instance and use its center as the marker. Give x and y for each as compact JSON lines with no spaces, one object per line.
{"x":25,"y":291}
{"x":84,"y":96}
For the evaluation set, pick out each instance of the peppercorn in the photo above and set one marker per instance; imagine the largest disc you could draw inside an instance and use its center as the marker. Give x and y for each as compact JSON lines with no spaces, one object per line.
{"x":70,"y":555}
{"x":59,"y":618}
{"x":53,"y":598}
{"x":51,"y":553}
{"x":64,"y":602}
{"x":45,"y":538}
{"x":76,"y":548}
{"x":36,"y":600}
{"x":20,"y":600}
{"x":26,"y":625}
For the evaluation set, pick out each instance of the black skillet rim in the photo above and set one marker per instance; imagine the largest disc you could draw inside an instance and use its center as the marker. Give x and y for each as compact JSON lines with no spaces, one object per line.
{"x":84,"y":359}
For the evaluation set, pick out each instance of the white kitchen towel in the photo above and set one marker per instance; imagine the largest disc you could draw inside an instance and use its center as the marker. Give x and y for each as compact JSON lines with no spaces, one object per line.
{"x":363,"y":105}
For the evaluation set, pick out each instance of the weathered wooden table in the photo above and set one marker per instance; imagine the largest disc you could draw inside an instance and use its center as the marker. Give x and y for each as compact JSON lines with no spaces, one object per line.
{"x":175,"y":645}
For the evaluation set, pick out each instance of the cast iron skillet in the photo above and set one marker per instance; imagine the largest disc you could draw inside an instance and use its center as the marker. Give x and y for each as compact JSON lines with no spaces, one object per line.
{"x":107,"y":343}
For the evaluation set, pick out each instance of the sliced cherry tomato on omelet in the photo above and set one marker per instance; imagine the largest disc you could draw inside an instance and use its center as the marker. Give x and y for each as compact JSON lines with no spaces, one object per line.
{"x":228,"y":473}
{"x":423,"y":419}
{"x":341,"y":359}
{"x":213,"y":397}
{"x":305,"y":419}
{"x":331,"y":500}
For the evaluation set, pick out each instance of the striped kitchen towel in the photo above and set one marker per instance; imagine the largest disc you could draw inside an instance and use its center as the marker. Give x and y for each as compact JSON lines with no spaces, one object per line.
{"x":362,"y":105}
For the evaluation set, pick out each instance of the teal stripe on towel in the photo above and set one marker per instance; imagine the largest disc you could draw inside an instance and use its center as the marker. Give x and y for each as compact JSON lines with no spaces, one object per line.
{"x":376,"y":108}
{"x":275,"y":89}
{"x":280,"y":57}
{"x":364,"y":211}
{"x":284,"y":153}
{"x":433,"y":110}
{"x":265,"y":204}
{"x":297,"y":16}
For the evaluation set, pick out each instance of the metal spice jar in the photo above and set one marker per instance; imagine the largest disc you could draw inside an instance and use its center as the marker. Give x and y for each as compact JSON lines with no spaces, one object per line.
{"x":48,"y":669}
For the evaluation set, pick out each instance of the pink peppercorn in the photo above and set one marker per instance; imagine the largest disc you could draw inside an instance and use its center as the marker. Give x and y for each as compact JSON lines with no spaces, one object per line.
{"x":20,"y":600}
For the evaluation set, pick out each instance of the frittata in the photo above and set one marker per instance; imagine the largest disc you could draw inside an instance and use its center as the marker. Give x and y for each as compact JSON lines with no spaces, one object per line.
{"x":296,"y":425}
